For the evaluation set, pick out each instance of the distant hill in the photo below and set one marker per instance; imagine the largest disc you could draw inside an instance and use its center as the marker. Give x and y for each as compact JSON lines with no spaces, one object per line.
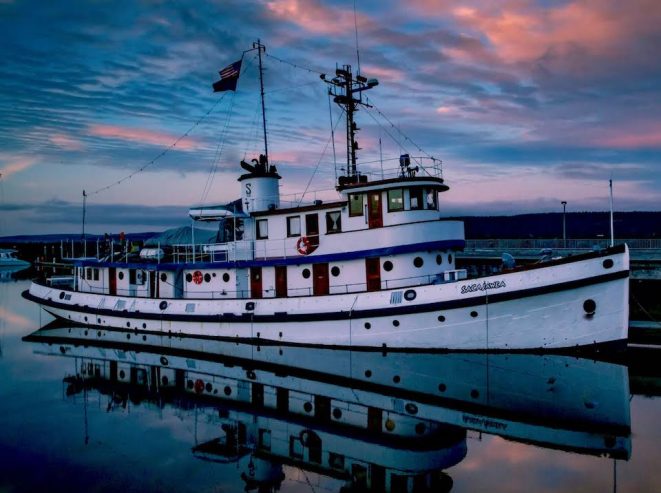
{"x":578,"y":225}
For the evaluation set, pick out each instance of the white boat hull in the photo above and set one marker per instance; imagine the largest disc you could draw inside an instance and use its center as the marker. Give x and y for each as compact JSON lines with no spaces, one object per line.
{"x":569,"y":303}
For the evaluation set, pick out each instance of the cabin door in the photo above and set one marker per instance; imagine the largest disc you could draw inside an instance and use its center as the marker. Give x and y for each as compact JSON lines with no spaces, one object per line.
{"x":153,"y":284}
{"x":112,"y":281}
{"x":255,"y":282}
{"x":281,"y":281}
{"x":320,"y":279}
{"x":374,"y":214}
{"x":373,"y":274}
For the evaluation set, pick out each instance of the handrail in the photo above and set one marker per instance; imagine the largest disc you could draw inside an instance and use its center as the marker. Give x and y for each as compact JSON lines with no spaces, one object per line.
{"x":559,"y":244}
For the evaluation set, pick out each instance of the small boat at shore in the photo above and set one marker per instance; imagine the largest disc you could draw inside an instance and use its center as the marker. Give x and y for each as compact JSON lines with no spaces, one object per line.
{"x":9,"y":260}
{"x":374,"y":268}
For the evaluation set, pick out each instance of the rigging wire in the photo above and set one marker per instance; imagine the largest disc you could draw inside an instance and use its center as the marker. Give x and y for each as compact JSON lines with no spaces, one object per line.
{"x":319,"y":162}
{"x":295,"y":65}
{"x":355,"y":25}
{"x":330,"y":114}
{"x":162,"y":153}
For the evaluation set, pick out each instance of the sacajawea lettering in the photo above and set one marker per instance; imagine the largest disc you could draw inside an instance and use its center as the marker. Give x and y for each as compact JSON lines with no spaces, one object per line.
{"x":483,"y":286}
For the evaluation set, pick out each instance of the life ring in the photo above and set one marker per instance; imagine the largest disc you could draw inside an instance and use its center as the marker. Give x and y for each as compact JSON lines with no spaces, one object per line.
{"x":197,"y":277}
{"x":304,"y":245}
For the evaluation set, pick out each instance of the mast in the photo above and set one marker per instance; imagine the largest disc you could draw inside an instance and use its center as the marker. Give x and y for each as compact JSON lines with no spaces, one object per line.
{"x":260,"y":47}
{"x":348,"y":94}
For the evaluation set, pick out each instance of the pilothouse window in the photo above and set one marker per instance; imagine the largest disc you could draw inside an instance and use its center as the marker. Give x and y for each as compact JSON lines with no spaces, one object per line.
{"x":395,"y":200}
{"x":355,"y":205}
{"x":416,"y":198}
{"x":431,"y":200}
{"x":262,"y":229}
{"x":294,"y":226}
{"x":333,"y":222}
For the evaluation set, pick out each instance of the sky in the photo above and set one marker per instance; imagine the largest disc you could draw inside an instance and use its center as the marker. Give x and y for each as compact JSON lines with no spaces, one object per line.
{"x":528,"y":103}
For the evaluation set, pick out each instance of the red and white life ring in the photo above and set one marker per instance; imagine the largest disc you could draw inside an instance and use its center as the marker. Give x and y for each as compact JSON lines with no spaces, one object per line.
{"x":197,"y":277}
{"x":304,"y":245}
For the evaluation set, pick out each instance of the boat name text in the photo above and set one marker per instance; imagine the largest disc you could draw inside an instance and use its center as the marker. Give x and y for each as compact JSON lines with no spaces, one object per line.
{"x":482,"y":286}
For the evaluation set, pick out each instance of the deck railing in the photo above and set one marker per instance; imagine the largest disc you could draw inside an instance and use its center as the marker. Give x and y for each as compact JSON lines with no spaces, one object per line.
{"x":560,"y":244}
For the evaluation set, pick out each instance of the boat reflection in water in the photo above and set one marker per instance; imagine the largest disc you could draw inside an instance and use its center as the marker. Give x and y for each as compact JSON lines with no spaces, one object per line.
{"x":381,"y":421}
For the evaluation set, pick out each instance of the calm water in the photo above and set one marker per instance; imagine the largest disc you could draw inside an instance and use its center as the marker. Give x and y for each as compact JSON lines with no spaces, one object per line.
{"x":209,"y":418}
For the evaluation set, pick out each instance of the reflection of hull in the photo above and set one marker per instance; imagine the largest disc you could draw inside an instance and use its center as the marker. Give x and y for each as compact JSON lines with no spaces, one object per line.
{"x":556,"y":401}
{"x":579,"y":301}
{"x":7,"y":270}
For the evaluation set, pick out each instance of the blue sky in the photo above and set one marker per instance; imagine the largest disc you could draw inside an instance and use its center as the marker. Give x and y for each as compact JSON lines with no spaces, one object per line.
{"x":528,"y":103}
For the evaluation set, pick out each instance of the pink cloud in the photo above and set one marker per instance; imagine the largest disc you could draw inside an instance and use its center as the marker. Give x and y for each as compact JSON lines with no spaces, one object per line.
{"x":383,"y":73}
{"x":14,"y":164}
{"x":66,"y":142}
{"x":140,"y":135}
{"x":649,"y":138}
{"x":313,"y":16}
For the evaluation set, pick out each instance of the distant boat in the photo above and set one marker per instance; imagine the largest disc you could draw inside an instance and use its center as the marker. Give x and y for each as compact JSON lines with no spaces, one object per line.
{"x":374,"y":269}
{"x":9,"y":260}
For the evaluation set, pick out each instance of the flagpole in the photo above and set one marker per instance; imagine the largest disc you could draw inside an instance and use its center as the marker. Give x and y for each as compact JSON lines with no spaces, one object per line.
{"x":260,"y":47}
{"x":610,"y":184}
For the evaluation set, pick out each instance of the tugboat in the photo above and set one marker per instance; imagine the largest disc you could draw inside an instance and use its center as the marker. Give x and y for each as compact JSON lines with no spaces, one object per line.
{"x":373,"y":269}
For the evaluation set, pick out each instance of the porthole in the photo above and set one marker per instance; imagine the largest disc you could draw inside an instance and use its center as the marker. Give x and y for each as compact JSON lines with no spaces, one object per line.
{"x":390,"y":424}
{"x":208,"y":387}
{"x":608,"y":263}
{"x":441,"y":318}
{"x":307,"y":407}
{"x":410,"y":294}
{"x":418,"y":262}
{"x":163,"y":305}
{"x":120,"y":275}
{"x":395,"y":323}
{"x":190,"y":384}
{"x":442,"y":387}
{"x":475,"y":394}
{"x":144,"y":326}
{"x":98,"y":320}
{"x":449,"y":258}
{"x":164,"y":277}
{"x":144,"y":338}
{"x":189,"y":277}
{"x":368,"y":325}
{"x":227,"y":390}
{"x":368,"y":373}
{"x":439,"y":259}
{"x":128,"y":336}
{"x":590,"y":306}
{"x":226,"y":277}
{"x":164,"y":361}
{"x":387,"y":265}
{"x":396,"y":379}
{"x":411,"y":408}
{"x":306,"y":273}
{"x":473,"y":314}
{"x":207,"y":277}
{"x":420,"y":428}
{"x":128,"y":324}
{"x":122,"y":374}
{"x":337,"y":413}
{"x":85,"y":318}
{"x":335,"y":271}
{"x":62,"y":295}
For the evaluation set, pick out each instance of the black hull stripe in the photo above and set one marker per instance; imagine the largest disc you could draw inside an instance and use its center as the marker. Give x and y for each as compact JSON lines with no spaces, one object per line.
{"x":283,"y":317}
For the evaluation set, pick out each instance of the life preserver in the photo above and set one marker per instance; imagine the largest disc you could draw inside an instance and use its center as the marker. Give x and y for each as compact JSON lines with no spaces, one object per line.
{"x":197,"y":277}
{"x":303,"y":245}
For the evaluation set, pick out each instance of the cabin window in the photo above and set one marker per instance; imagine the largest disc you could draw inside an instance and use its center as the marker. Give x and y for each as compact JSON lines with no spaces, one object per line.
{"x":262,"y":229}
{"x":333,"y":222}
{"x":96,"y":274}
{"x":395,"y":200}
{"x":294,"y":226}
{"x":416,"y":198}
{"x":355,"y":205}
{"x":89,"y":274}
{"x":431,"y":200}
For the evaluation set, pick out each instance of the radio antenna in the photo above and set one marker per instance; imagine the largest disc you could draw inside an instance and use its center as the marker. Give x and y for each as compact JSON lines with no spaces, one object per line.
{"x":355,"y":25}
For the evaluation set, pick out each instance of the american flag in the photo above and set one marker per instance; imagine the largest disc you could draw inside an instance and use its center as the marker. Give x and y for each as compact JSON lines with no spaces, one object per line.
{"x":229,"y":76}
{"x":231,"y":70}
